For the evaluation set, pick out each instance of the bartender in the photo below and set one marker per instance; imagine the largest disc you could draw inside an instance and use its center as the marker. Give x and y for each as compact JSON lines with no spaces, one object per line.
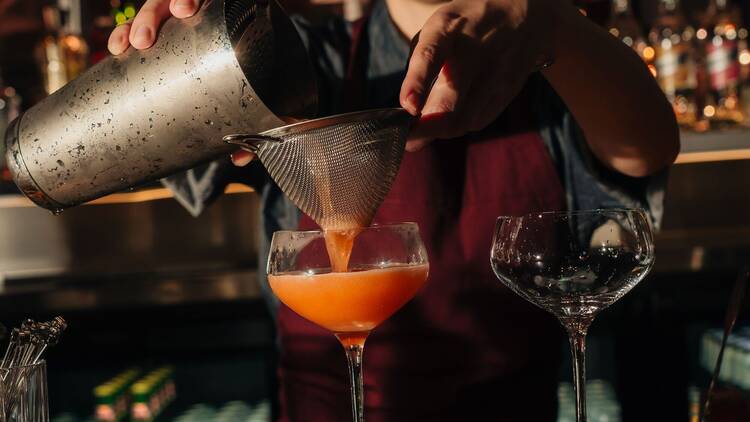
{"x":534,"y":108}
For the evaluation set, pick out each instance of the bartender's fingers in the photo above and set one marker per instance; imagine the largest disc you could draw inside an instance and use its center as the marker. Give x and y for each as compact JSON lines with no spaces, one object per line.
{"x":147,"y":22}
{"x":118,"y":39}
{"x":241,"y":158}
{"x":183,"y":8}
{"x":450,"y":105}
{"x":434,"y":45}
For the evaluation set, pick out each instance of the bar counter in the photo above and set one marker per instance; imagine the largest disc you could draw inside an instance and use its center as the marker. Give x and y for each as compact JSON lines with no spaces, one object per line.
{"x":145,"y":284}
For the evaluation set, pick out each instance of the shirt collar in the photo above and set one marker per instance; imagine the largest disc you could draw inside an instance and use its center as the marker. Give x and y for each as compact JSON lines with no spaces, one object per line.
{"x":389,"y":50}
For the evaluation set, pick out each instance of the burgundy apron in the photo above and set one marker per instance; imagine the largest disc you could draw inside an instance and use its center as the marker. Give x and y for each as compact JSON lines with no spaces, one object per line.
{"x":466,"y":347}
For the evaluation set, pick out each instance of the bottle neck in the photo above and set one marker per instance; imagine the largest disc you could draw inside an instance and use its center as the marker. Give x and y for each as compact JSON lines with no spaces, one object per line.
{"x":51,"y":19}
{"x":717,"y":7}
{"x":669,"y":16}
{"x":621,"y":7}
{"x":73,"y":24}
{"x":717,"y":13}
{"x":668,"y":6}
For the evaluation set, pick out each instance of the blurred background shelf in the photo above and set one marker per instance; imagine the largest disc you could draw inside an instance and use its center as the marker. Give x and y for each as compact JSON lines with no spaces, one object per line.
{"x":718,"y":145}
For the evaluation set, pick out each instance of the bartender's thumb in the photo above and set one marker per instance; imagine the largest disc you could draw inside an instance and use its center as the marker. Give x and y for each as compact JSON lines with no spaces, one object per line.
{"x":147,"y":22}
{"x":241,"y":158}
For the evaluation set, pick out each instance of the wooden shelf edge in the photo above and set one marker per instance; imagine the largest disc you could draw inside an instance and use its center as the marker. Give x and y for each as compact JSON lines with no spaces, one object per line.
{"x":20,"y":201}
{"x":712,"y":146}
{"x":710,"y":156}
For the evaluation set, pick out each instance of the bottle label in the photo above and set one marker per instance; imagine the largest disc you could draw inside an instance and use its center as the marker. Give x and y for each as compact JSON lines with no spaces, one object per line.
{"x":722,"y":64}
{"x":667,"y":64}
{"x":675,"y":69}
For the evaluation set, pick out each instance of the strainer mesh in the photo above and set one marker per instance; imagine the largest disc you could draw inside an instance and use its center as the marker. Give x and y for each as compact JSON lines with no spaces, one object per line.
{"x":338,"y":173}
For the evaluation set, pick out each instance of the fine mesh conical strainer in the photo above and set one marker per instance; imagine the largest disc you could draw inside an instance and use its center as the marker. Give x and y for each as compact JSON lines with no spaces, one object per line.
{"x":336,"y":169}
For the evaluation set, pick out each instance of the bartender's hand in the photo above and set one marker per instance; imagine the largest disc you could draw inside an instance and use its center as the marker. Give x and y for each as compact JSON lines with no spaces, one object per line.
{"x":482,"y":53}
{"x":141,"y":31}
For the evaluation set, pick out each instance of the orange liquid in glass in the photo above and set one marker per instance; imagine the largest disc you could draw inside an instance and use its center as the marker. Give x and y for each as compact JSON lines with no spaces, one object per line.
{"x":350,"y":303}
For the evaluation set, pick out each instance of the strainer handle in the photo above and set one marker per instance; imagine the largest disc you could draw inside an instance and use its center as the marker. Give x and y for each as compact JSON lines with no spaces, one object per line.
{"x":249,"y":142}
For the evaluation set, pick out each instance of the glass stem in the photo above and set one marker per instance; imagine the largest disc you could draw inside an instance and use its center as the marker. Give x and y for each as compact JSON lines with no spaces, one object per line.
{"x":577,"y":338}
{"x":354,"y":357}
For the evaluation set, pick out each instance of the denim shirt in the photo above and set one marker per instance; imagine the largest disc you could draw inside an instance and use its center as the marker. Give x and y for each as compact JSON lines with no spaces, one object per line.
{"x":587,"y":182}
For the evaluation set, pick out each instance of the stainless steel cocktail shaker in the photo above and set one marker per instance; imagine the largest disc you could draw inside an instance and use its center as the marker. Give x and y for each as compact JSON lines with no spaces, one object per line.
{"x":236,"y":66}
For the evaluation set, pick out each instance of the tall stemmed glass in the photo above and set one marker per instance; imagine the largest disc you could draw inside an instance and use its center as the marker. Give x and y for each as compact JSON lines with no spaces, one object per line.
{"x":573,"y":264}
{"x":387,"y":267}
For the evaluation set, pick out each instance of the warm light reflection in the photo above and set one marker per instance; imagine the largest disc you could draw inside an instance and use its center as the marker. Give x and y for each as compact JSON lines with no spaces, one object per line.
{"x":730,"y":102}
{"x":701,"y":34}
{"x":74,"y":43}
{"x":744,"y":57}
{"x":731,"y":34}
{"x":652,"y":69}
{"x":709,"y":111}
{"x":614,"y":31}
{"x":648,"y":53}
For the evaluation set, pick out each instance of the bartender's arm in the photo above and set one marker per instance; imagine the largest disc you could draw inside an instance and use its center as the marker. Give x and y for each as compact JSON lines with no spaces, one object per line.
{"x":485,"y":50}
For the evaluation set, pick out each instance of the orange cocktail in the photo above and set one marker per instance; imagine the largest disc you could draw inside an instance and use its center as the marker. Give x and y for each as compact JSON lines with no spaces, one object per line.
{"x":352,"y":303}
{"x":348,"y":282}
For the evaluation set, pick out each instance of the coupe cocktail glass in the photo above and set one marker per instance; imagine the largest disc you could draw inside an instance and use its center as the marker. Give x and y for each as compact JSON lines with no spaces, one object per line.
{"x":573,"y":264}
{"x":387,"y":267}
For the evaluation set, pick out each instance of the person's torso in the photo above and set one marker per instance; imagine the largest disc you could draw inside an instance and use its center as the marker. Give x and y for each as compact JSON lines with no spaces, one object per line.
{"x":464,"y":328}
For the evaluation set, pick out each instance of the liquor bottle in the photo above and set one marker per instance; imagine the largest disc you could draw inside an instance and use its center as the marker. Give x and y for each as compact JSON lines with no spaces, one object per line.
{"x":625,"y":27}
{"x":694,"y":403}
{"x":10,"y":107}
{"x":74,"y":48}
{"x":49,"y":54}
{"x":723,"y":105}
{"x":675,"y":59}
{"x":743,"y":57}
{"x":743,"y":54}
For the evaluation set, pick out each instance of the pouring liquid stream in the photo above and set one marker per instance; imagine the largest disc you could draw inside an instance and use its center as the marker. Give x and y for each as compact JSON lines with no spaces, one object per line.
{"x":339,"y":244}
